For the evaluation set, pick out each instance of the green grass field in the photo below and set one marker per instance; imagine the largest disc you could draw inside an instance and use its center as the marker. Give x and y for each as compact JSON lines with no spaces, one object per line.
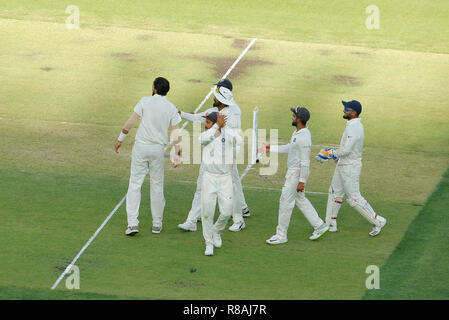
{"x":65,"y":94}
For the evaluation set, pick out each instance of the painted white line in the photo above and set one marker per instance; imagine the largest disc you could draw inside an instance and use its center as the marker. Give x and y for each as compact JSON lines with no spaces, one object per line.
{"x":69,"y":267}
{"x":223,"y":77}
{"x":248,"y":167}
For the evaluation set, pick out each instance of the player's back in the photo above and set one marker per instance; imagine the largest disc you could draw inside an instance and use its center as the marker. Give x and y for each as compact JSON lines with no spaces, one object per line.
{"x":157,"y":114}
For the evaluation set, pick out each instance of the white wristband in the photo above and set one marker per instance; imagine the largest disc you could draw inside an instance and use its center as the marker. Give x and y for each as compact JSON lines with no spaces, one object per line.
{"x":121,"y":137}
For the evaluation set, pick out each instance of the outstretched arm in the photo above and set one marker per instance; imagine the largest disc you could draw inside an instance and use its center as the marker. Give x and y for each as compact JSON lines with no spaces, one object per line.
{"x":266,"y":147}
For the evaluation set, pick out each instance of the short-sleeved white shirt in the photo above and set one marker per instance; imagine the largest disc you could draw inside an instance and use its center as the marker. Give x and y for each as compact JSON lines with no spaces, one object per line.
{"x":157,"y":115}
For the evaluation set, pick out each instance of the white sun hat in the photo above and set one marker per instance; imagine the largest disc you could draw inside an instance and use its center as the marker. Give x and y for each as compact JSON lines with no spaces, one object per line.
{"x":224,"y":95}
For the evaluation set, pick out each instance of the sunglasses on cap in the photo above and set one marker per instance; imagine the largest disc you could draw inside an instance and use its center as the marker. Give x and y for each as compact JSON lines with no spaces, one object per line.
{"x":348,"y":109}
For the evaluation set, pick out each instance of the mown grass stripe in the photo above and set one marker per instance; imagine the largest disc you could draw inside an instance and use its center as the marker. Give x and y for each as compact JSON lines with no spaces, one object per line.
{"x":418,"y":267}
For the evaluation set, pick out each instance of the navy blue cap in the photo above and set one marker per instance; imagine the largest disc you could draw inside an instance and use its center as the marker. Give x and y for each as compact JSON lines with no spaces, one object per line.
{"x":354,"y":105}
{"x":213,"y":116}
{"x":224,"y":83}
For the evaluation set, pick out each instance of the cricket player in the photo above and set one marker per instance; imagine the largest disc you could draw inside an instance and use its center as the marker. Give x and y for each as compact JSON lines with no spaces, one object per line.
{"x":347,"y":172}
{"x":157,"y":114}
{"x":219,"y":155}
{"x":233,"y":113}
{"x":293,"y":192}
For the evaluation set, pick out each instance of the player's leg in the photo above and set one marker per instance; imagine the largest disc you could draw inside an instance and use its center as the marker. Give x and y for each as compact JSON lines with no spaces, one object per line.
{"x":208,"y":203}
{"x":195,"y":211}
{"x":351,"y":176}
{"x":225,"y":204}
{"x":237,"y":216}
{"x":306,"y":207}
{"x":239,"y":190}
{"x":157,"y":186}
{"x":139,"y":169}
{"x":286,"y":205}
{"x":334,"y":200}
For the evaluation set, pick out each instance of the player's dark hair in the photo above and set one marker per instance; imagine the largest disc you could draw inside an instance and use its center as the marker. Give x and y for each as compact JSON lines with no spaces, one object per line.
{"x":161,"y":85}
{"x":303,"y":115}
{"x":303,"y":121}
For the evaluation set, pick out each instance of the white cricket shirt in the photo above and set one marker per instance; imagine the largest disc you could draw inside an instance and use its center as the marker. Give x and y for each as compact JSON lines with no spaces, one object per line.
{"x":157,"y":115}
{"x":219,"y":153}
{"x":298,"y":151}
{"x":351,"y":144}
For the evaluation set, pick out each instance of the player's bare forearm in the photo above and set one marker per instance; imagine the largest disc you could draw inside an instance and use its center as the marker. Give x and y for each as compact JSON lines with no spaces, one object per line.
{"x":175,"y":135}
{"x":129,"y":124}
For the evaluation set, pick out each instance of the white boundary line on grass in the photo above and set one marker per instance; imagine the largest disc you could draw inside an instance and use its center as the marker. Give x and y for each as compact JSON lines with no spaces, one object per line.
{"x":69,"y":267}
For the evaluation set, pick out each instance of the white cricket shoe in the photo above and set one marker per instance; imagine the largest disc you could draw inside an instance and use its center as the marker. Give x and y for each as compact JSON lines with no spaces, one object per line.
{"x":156,"y":229}
{"x":276,"y":240}
{"x":132,"y":230}
{"x":187,"y":226}
{"x":209,"y":250}
{"x":237,"y":226}
{"x":245,"y":212}
{"x":376,"y":229}
{"x":318,"y":232}
{"x":216,"y":237}
{"x":333,"y":226}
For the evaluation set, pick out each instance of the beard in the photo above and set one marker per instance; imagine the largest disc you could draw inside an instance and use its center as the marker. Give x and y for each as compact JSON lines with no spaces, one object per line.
{"x":294,"y":123}
{"x":346,"y":116}
{"x":216,"y":104}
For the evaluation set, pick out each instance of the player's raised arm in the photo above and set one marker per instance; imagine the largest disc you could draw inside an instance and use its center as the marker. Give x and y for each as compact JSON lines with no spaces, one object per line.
{"x":129,"y":124}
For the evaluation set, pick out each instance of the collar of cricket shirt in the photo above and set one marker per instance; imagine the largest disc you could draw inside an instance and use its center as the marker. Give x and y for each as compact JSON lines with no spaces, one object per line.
{"x":300,"y":130}
{"x":354,"y":120}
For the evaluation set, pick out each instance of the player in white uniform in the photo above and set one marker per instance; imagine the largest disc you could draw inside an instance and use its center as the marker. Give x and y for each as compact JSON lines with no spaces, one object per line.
{"x":157,"y":114}
{"x":347,"y":172}
{"x":233,"y":113}
{"x":219,"y":156}
{"x":298,"y":165}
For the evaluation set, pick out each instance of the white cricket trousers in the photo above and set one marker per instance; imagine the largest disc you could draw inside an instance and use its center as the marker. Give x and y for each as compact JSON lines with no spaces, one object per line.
{"x":290,"y":197}
{"x":215,"y":187}
{"x":346,"y":180}
{"x":239,"y":204}
{"x":146,"y":159}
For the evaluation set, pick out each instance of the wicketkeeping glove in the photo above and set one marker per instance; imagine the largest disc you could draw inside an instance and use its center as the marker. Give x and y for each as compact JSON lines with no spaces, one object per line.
{"x":326,"y":154}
